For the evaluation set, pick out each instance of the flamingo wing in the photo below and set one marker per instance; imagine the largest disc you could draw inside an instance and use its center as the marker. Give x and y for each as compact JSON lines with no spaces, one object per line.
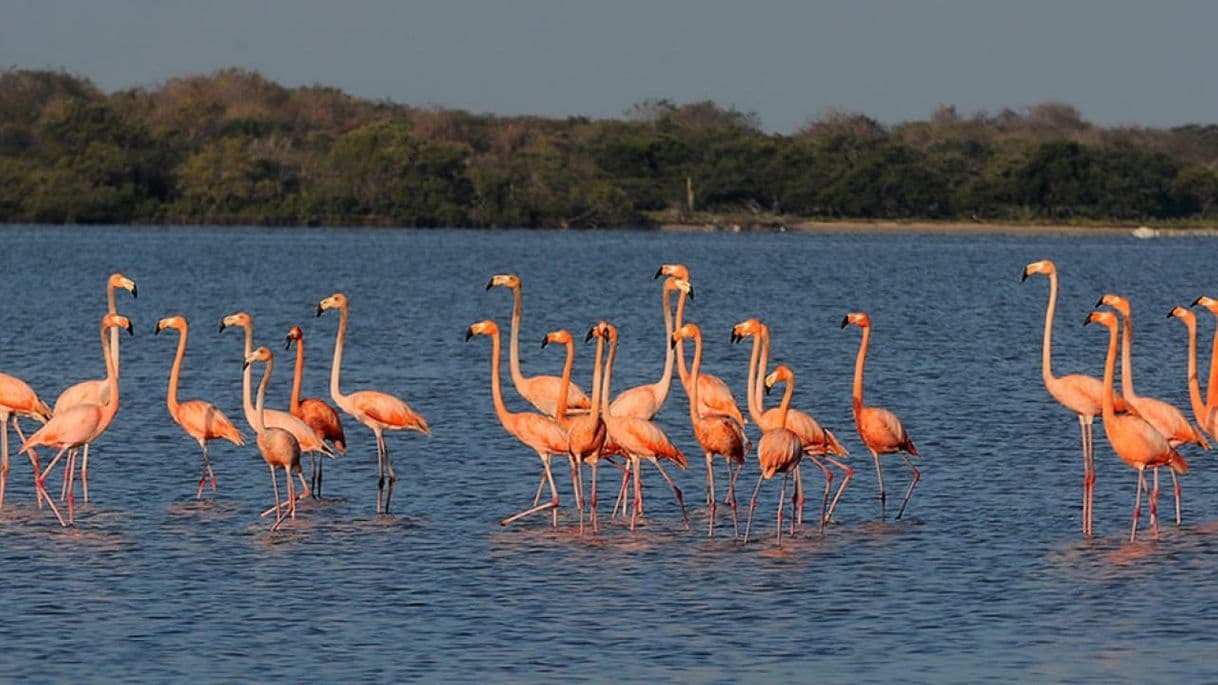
{"x":539,"y":432}
{"x":643,"y":438}
{"x":882,"y":431}
{"x":389,"y":411}
{"x":73,"y":427}
{"x":714,"y":397}
{"x":542,"y":393}
{"x":324,"y":421}
{"x":17,"y":396}
{"x":641,"y":402}
{"x":203,"y":421}
{"x":778,"y":450}
{"x":1169,"y":421}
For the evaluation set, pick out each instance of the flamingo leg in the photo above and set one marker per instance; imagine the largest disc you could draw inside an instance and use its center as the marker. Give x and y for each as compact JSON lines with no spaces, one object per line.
{"x":1084,"y":427}
{"x":552,"y":504}
{"x":4,"y":458}
{"x":917,"y":476}
{"x":796,"y":492}
{"x":380,"y":470}
{"x":592,"y":495}
{"x":1137,"y":506}
{"x":71,"y":498}
{"x":393,"y":476}
{"x":623,"y":498}
{"x":727,"y":466}
{"x":1175,"y":482}
{"x":879,"y":473}
{"x":731,"y":489}
{"x":824,"y":505}
{"x":675,"y":490}
{"x":1154,"y":505}
{"x":782,"y":496}
{"x":40,"y":491}
{"x":312,"y":489}
{"x":287,"y":475}
{"x":278,"y":509}
{"x":752,"y":505}
{"x":304,"y":487}
{"x":84,"y":474}
{"x":710,"y":494}
{"x":848,"y":473}
{"x":575,"y":482}
{"x":63,"y":488}
{"x":636,"y":465}
{"x":321,"y":463}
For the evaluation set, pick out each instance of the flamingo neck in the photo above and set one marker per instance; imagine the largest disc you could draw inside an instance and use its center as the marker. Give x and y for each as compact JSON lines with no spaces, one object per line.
{"x":609,"y":369}
{"x":1194,"y":386}
{"x":695,"y":368}
{"x":505,"y":416}
{"x":785,"y":405}
{"x":246,"y":376}
{"x":1211,"y":386}
{"x":109,"y":409}
{"x":679,"y":352}
{"x":335,"y":393}
{"x":172,"y":396}
{"x":1108,"y":402}
{"x":112,"y":307}
{"x":1126,"y":362}
{"x":294,"y":405}
{"x":259,"y":424}
{"x":1046,"y":352}
{"x":597,"y":397}
{"x":857,"y":392}
{"x":758,"y":389}
{"x":560,"y":410}
{"x":514,"y":341}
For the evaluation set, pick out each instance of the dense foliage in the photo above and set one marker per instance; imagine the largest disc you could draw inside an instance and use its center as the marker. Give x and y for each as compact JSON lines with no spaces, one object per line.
{"x":233,"y":147}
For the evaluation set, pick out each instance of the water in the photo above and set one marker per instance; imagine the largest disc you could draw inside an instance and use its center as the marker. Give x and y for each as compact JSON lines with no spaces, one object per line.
{"x":987,"y":578}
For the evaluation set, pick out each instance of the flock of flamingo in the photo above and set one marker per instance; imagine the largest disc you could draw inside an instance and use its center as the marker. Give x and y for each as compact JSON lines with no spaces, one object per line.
{"x":1144,"y":432}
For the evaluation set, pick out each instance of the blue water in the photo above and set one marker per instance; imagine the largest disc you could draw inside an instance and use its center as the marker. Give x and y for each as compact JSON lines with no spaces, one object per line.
{"x":986,"y":579}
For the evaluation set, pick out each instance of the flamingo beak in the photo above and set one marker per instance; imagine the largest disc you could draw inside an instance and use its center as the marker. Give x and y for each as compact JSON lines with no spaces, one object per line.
{"x":490,"y":284}
{"x":469,"y":333}
{"x":135,"y":291}
{"x":1024,"y":276}
{"x":845,"y":321}
{"x":1196,"y":302}
{"x":223,"y":326}
{"x":736,"y":337}
{"x":158,"y":329}
{"x":545,"y":341}
{"x":659,"y":272}
{"x":319,"y":310}
{"x":288,"y":343}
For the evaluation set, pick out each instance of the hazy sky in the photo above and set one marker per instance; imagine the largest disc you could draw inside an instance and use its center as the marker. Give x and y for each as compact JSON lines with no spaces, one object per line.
{"x":1119,"y":61}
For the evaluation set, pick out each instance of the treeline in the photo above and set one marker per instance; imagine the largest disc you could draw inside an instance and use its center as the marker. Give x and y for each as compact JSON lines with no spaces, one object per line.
{"x":233,"y":147}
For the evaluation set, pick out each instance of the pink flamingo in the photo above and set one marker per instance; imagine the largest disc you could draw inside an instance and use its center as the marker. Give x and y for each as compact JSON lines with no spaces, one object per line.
{"x":645,"y":401}
{"x":1134,"y":440}
{"x":716,"y":433}
{"x":18,"y":399}
{"x":316,"y":414}
{"x":539,"y":391}
{"x":95,"y":391}
{"x":880,"y":429}
{"x":376,"y":410}
{"x":779,"y":449}
{"x":1211,"y":388}
{"x":201,"y":420}
{"x":540,"y":433}
{"x":1166,"y":418}
{"x":1200,"y":413}
{"x":715,"y":397}
{"x":818,"y":442}
{"x":83,"y":423}
{"x":585,"y":432}
{"x":278,"y":446}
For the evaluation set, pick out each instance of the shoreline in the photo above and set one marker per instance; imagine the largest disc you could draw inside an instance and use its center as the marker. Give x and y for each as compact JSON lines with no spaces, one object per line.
{"x":941,"y":228}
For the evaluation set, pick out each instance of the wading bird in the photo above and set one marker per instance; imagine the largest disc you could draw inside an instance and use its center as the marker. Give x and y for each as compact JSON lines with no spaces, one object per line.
{"x":18,"y":399}
{"x":279,"y":447}
{"x":778,"y":451}
{"x":318,"y":415}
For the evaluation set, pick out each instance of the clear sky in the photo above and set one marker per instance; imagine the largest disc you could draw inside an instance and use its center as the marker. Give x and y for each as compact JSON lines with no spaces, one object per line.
{"x":1118,"y":61}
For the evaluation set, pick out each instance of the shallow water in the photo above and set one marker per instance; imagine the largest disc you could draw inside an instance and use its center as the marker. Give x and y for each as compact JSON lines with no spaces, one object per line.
{"x":986,"y":579}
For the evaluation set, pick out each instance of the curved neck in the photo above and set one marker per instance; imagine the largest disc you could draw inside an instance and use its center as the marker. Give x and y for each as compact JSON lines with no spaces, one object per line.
{"x":338,"y":356}
{"x":680,"y":350}
{"x":1194,"y":386}
{"x":1046,"y":362}
{"x":609,"y":369}
{"x":763,"y":359}
{"x":669,"y":353}
{"x":246,"y":376}
{"x":857,"y":392}
{"x":172,"y":397}
{"x":1211,"y":386}
{"x":259,"y":423}
{"x":786,"y":403}
{"x":514,"y":341}
{"x":110,"y":408}
{"x":560,"y":411}
{"x":501,"y":411}
{"x":112,"y":307}
{"x":1126,"y":364}
{"x":294,"y":405}
{"x":695,"y":368}
{"x":597,"y":397}
{"x":1108,"y":403}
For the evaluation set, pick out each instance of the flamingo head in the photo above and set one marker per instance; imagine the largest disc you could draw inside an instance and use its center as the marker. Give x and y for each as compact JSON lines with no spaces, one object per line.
{"x":595,"y":332}
{"x":608,"y":330}
{"x":781,"y":373}
{"x":1207,"y":302}
{"x":506,"y":280}
{"x":335,"y":301}
{"x":1101,"y":317}
{"x":294,"y":335}
{"x":118,"y":280}
{"x":559,"y":337}
{"x":859,"y":319}
{"x":689,"y":331}
{"x":1044,"y":266}
{"x":485,"y":327}
{"x":1184,"y":315}
{"x":241,"y":319}
{"x":117,"y":321}
{"x":1116,"y":302}
{"x":176,"y":321}
{"x":746,"y":328}
{"x":262,"y":354}
{"x":675,"y":270}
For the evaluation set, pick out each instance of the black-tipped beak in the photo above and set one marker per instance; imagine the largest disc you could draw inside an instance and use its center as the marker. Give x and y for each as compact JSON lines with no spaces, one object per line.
{"x":591,"y":333}
{"x":1099,"y":302}
{"x":319,"y":310}
{"x":130,"y":330}
{"x":469,"y":333}
{"x":1196,"y":302}
{"x":691,"y":293}
{"x":287,"y":343}
{"x":1023,"y":276}
{"x":135,"y":291}
{"x":845,"y":322}
{"x":672,"y":342}
{"x":735,"y":336}
{"x":1087,"y":320}
{"x":768,"y":388}
{"x":490,"y":284}
{"x":1171,"y":313}
{"x":223,"y":326}
{"x":157,"y":331}
{"x":659,"y":272}
{"x":545,"y":341}
{"x":245,"y":365}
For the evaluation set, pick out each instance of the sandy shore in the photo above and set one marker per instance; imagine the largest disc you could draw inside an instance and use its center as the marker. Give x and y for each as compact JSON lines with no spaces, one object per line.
{"x":961,"y":228}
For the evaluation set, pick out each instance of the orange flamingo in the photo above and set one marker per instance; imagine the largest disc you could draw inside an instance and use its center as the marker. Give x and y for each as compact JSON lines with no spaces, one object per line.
{"x":716,"y":433}
{"x":639,"y":439}
{"x":79,"y":425}
{"x":376,"y":410}
{"x":278,"y":446}
{"x":1166,"y":418}
{"x":18,"y":399}
{"x":1134,"y":440}
{"x":818,"y":442}
{"x":779,"y":449}
{"x":585,"y":432}
{"x":540,"y":433}
{"x":95,"y":391}
{"x":318,"y":415}
{"x":714,"y":397}
{"x":1211,"y":388}
{"x":880,"y":429}
{"x":539,"y":391}
{"x":201,"y":420}
{"x":645,"y":401}
{"x":1079,"y":393}
{"x":1200,"y":412}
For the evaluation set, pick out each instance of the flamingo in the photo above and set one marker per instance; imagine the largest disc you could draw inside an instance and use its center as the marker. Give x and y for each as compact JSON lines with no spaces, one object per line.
{"x":1200,"y":412}
{"x":1079,"y":393}
{"x":1134,"y":439}
{"x":585,"y":432}
{"x":17,"y":399}
{"x":83,"y":423}
{"x":645,"y":401}
{"x":376,"y":410}
{"x":639,"y":439}
{"x":1166,"y":418}
{"x":305,"y":437}
{"x":95,"y":391}
{"x":539,"y":432}
{"x":1211,"y":388}
{"x":201,"y":420}
{"x":716,"y":433}
{"x":779,"y":449}
{"x":817,"y":441}
{"x":715,"y":397}
{"x":318,"y":415}
{"x":278,"y":446}
{"x":880,"y":429}
{"x":539,"y":391}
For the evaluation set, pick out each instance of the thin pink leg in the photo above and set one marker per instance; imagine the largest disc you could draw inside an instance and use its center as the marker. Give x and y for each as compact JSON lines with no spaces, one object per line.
{"x":917,"y":476}
{"x":879,"y":474}
{"x":782,"y":496}
{"x":623,"y":498}
{"x":1175,"y":482}
{"x":675,"y":490}
{"x":848,"y":473}
{"x":1154,"y":505}
{"x":552,"y":504}
{"x":4,"y":458}
{"x":731,"y":499}
{"x":710,"y":494}
{"x":592,"y":496}
{"x":752,"y":507}
{"x":84,"y":474}
{"x":40,"y":492}
{"x":1137,"y":506}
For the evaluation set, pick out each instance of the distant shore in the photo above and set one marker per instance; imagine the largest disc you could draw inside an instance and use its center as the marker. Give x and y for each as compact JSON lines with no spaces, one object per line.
{"x":943,"y":227}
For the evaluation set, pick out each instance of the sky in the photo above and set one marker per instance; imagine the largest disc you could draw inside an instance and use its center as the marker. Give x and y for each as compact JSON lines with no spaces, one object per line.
{"x":1121,"y":62}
